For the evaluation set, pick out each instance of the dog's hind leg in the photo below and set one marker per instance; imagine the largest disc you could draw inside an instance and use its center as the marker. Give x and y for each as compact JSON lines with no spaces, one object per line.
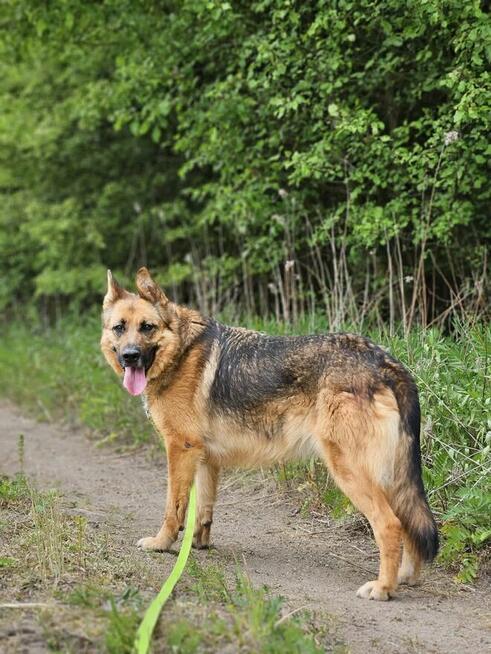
{"x":411,"y":563}
{"x":206,"y":487}
{"x":369,"y":497}
{"x":183,"y":456}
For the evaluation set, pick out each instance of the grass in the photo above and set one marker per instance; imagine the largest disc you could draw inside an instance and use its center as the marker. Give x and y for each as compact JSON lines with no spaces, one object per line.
{"x":254,"y":620}
{"x":47,"y":534}
{"x":91,"y":595}
{"x":60,"y":373}
{"x":52,"y":558}
{"x":13,"y":491}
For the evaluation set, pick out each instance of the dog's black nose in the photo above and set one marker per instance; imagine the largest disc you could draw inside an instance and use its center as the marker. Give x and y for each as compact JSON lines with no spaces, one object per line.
{"x":131,"y":355}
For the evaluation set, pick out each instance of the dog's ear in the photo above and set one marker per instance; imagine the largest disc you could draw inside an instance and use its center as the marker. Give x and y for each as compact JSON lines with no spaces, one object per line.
{"x":114,"y":291}
{"x":151,"y":291}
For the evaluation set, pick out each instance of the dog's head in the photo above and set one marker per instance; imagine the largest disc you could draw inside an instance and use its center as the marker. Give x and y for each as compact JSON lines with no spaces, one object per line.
{"x":142,"y":333}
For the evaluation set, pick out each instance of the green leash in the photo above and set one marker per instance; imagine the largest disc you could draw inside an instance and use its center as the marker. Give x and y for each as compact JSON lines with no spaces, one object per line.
{"x":145,"y":630}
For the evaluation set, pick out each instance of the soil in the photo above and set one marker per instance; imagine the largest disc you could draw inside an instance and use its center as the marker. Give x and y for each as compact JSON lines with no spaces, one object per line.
{"x":312,"y":561}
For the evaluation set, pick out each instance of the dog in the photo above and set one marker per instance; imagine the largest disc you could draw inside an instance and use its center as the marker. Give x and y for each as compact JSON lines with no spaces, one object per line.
{"x":226,"y":396}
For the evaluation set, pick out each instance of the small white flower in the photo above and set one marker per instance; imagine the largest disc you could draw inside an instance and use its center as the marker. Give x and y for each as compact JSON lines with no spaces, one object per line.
{"x":289,"y":265}
{"x":408,"y":279}
{"x":283,"y":193}
{"x":428,"y":425}
{"x":451,"y":137}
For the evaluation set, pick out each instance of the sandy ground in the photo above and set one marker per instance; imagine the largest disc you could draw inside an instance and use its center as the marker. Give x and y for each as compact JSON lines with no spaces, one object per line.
{"x":312,"y":562}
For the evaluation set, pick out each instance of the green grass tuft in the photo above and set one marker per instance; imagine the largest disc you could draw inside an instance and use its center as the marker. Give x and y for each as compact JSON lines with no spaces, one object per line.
{"x":121,"y":630}
{"x":13,"y":490}
{"x":242,"y":618}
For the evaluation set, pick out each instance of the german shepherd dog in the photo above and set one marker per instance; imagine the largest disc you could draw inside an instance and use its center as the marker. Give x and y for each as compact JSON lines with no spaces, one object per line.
{"x":226,"y":396}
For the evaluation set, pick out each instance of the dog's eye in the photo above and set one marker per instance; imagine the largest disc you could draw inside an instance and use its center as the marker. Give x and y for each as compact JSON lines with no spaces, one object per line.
{"x":146,"y":327}
{"x":118,"y":329}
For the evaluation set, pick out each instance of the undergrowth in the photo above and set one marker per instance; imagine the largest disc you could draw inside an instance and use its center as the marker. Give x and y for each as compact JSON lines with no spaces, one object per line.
{"x":60,"y":373}
{"x":239,"y":617}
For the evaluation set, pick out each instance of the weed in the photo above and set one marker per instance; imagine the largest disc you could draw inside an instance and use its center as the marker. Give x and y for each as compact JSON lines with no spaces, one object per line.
{"x":80,"y":524}
{"x":47,"y":551}
{"x":48,"y":537}
{"x":338,"y":503}
{"x":52,"y":535}
{"x":209,"y":581}
{"x":184,"y":638}
{"x":21,"y":452}
{"x":121,"y":630}
{"x":13,"y":490}
{"x":88,"y":595}
{"x":252,"y":622}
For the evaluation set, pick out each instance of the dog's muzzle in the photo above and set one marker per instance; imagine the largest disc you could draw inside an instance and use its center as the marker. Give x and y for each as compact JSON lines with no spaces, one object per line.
{"x":132,"y":356}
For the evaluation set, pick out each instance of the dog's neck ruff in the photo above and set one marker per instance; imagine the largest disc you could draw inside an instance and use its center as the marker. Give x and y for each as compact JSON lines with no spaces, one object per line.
{"x":146,"y":406}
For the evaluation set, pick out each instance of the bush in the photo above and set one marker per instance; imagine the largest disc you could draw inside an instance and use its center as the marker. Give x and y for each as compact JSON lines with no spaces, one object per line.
{"x":278,"y":155}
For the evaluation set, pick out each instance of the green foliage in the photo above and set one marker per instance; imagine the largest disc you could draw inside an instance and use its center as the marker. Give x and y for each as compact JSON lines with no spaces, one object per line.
{"x":13,"y":490}
{"x":184,"y":638}
{"x":50,"y":535}
{"x":467,"y":528}
{"x":454,"y":381}
{"x":88,"y":595}
{"x":278,"y":128}
{"x":252,"y":622}
{"x":121,"y":630}
{"x":209,"y":582}
{"x":337,"y":502}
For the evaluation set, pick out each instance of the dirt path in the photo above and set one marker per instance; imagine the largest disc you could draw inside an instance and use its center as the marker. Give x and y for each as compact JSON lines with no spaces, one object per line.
{"x":311,"y":563}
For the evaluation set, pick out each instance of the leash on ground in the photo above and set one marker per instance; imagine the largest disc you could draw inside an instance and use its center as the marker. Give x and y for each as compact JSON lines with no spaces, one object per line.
{"x":145,"y":630}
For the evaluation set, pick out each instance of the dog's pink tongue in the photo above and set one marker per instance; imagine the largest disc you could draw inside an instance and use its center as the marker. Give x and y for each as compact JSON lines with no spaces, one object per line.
{"x":134,"y":380}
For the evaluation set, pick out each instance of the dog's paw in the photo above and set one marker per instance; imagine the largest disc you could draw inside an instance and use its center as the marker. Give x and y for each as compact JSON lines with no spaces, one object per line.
{"x":201,"y":539}
{"x":154,"y":544}
{"x":199,"y":544}
{"x":372,"y":590}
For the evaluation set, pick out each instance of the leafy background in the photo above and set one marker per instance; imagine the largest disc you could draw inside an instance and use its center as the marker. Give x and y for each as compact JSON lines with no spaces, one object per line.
{"x":217,"y":141}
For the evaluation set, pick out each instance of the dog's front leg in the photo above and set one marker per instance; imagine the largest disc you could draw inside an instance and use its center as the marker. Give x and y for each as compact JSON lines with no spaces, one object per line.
{"x":206,"y":487}
{"x":183,"y":455}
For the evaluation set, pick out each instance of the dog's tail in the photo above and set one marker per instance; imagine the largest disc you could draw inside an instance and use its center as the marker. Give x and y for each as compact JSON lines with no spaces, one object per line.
{"x":407,"y":494}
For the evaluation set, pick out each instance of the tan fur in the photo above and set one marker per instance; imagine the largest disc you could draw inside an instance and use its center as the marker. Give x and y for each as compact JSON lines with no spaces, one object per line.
{"x":357,"y":436}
